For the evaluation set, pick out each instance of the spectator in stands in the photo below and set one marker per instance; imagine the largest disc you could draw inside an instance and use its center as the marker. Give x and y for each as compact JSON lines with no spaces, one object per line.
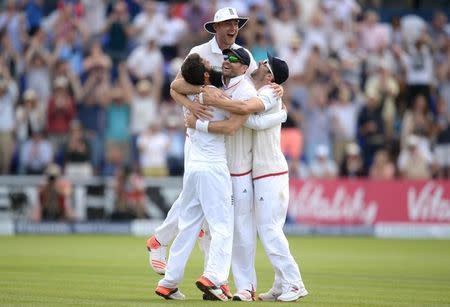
{"x":352,"y":58}
{"x":94,"y":16}
{"x":371,"y":129}
{"x":414,"y":162}
{"x":385,"y":86}
{"x":9,"y":57}
{"x":352,"y":165}
{"x":36,"y":154}
{"x":382,"y":167}
{"x":323,"y":166}
{"x":54,"y":198}
{"x":62,"y":68}
{"x":148,"y":22}
{"x":61,"y":111}
{"x":146,"y":61}
{"x":371,"y":32}
{"x":344,"y":115}
{"x":129,"y":193}
{"x":69,"y":47}
{"x":317,"y":122}
{"x":38,"y":62}
{"x":196,"y":15}
{"x":13,"y":21}
{"x":77,"y":153}
{"x":442,"y":133}
{"x":8,"y":99}
{"x":91,"y":110}
{"x":97,"y":60}
{"x":418,"y":66}
{"x":118,"y":30}
{"x":174,"y":33}
{"x":114,"y":159}
{"x":283,"y":22}
{"x":153,"y":146}
{"x":417,"y":121}
{"x":437,"y":32}
{"x":29,"y":117}
{"x":117,"y":130}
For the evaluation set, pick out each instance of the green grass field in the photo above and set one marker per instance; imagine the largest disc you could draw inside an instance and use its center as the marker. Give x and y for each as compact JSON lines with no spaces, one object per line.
{"x":113,"y":271}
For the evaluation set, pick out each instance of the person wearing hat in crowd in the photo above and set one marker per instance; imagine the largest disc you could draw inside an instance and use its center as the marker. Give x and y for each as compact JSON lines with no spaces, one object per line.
{"x":268,"y":168}
{"x":415,"y":160}
{"x":352,"y":165}
{"x":29,"y":117}
{"x":323,"y":166}
{"x":225,"y":28}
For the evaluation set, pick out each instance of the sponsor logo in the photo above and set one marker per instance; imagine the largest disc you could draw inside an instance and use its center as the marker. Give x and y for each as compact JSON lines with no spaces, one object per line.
{"x":428,"y":203}
{"x":310,"y":204}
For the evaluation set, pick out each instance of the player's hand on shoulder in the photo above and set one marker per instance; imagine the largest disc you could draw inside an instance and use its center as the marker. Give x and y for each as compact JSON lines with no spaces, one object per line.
{"x":201,"y":111}
{"x":278,"y":89}
{"x":211,"y":95}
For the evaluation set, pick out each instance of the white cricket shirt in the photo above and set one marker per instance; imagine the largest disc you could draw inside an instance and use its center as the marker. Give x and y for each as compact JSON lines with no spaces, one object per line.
{"x":211,"y":52}
{"x":239,"y":146}
{"x":268,"y":159}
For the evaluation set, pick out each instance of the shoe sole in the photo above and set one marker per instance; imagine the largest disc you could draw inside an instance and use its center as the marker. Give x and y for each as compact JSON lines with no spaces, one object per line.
{"x":166,"y":296}
{"x":207,"y":290}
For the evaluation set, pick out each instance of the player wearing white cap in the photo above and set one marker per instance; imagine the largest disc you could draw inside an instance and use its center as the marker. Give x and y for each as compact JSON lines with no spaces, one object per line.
{"x":225,"y":27}
{"x":270,"y":179}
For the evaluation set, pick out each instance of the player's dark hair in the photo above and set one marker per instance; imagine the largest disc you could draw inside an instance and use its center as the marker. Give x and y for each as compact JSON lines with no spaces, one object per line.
{"x":193,"y":70}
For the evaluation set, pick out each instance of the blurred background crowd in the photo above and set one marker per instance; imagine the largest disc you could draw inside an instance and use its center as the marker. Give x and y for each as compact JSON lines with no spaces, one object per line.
{"x":85,"y":84}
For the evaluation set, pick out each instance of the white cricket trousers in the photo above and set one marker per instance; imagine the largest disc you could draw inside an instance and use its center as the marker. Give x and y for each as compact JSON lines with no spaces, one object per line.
{"x":244,"y":242}
{"x":271,"y":204}
{"x":167,"y":231}
{"x":206,"y":195}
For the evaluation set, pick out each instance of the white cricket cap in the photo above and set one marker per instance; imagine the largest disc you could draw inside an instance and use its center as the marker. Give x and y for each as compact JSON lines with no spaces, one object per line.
{"x":223,"y":14}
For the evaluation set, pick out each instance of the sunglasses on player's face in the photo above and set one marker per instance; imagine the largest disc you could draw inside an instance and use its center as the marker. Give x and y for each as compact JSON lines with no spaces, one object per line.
{"x":266,"y":63}
{"x":231,"y":58}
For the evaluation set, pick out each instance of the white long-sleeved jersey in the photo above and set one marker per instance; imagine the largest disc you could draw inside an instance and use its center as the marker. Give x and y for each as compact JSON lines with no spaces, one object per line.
{"x":268,"y":159}
{"x":239,"y":145}
{"x":204,"y":146}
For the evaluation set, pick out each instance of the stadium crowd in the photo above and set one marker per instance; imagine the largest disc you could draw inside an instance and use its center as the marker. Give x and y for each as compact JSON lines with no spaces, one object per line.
{"x":85,"y":84}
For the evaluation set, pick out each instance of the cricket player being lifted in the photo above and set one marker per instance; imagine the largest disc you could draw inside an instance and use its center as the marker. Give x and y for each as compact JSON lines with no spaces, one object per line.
{"x":225,"y":27}
{"x":206,"y":195}
{"x":270,"y":177}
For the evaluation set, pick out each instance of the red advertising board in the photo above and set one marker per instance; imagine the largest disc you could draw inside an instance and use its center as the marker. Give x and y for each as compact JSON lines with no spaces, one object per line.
{"x":368,"y":202}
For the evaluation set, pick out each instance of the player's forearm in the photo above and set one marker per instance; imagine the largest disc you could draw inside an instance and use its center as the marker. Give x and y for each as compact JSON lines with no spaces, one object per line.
{"x":181,"y":99}
{"x":239,"y":107}
{"x":228,"y":127}
{"x":180,"y":86}
{"x":266,"y":121}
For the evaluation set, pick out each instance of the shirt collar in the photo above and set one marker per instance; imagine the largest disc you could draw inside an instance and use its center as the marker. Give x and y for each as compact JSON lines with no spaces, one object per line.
{"x":234,"y":81}
{"x":215,"y":46}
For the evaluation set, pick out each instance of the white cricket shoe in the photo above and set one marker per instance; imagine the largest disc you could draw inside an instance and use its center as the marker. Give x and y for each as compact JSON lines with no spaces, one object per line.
{"x":157,"y":255}
{"x":244,"y":295}
{"x":169,"y":293}
{"x":292,"y":294}
{"x":210,"y":289}
{"x":269,"y":296}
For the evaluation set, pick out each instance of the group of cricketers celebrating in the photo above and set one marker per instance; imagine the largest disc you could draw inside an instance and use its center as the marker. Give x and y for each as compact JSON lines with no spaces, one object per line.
{"x":236,"y":182}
